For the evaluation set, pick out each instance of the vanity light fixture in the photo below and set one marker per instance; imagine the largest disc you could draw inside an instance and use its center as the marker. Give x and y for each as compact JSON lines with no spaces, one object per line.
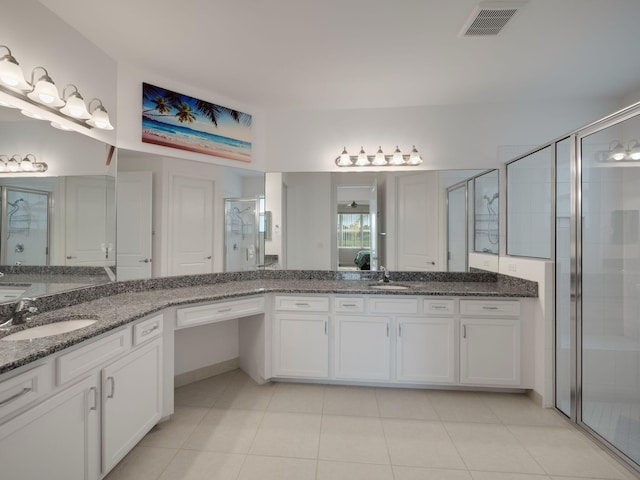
{"x":10,"y":72}
{"x":634,"y":150}
{"x":379,"y":159}
{"x":42,"y":92}
{"x":99,"y":116}
{"x":18,"y":164}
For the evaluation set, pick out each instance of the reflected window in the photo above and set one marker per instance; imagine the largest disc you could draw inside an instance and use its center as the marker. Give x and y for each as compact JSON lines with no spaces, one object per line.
{"x":354,"y":230}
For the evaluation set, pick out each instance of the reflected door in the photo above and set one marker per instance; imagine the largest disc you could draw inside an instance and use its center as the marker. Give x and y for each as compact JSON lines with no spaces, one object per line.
{"x":26,"y":227}
{"x":241,"y":234}
{"x":191,"y":226}
{"x":457,"y":249}
{"x":134,"y":206}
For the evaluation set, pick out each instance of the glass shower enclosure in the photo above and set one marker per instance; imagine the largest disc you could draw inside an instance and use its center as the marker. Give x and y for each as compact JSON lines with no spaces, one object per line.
{"x":243,"y":235}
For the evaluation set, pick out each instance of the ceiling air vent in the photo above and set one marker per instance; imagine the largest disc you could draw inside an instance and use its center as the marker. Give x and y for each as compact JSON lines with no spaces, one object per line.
{"x":489,"y":18}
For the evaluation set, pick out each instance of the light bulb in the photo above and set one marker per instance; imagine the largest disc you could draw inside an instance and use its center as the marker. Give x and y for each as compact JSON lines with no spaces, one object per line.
{"x":12,"y":165}
{"x":379,"y":159}
{"x":397,"y":158}
{"x":634,"y":151}
{"x":26,"y":165}
{"x":10,"y":72}
{"x":45,"y":91}
{"x":344,"y":160}
{"x":30,"y":114}
{"x":414,"y":157}
{"x":75,"y":107}
{"x":100,"y":119}
{"x":618,"y":153}
{"x":362,"y":158}
{"x":60,"y":126}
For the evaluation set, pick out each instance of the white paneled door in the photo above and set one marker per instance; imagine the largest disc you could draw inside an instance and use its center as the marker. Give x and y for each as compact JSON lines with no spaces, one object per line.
{"x":134,"y":207}
{"x":190,"y":226}
{"x":417,"y":222}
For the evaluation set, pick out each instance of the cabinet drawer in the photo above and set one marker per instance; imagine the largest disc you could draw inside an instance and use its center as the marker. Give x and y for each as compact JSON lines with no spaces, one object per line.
{"x":302,"y":304}
{"x":95,"y":354}
{"x":393,"y":305}
{"x":218,"y":312}
{"x":349,"y":304}
{"x":498,"y":308}
{"x":147,"y":329}
{"x":25,"y":389}
{"x":439,"y":307}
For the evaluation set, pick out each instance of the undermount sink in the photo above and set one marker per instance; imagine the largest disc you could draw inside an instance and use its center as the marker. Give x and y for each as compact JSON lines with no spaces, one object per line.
{"x":55,"y":328}
{"x":388,"y":286}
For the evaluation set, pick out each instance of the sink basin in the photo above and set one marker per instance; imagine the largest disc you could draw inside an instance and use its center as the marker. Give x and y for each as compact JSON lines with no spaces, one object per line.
{"x":388,"y":286}
{"x":55,"y":328}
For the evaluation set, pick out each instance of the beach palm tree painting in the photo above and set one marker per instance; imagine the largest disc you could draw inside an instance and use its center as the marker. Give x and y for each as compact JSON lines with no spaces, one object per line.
{"x":174,"y":120}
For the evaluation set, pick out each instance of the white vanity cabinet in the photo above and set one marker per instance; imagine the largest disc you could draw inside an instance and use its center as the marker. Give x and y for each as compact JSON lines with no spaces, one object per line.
{"x":361,"y":347}
{"x":58,"y":438}
{"x":300,"y":337}
{"x":490,"y":342}
{"x":426,"y":345}
{"x":82,"y":410}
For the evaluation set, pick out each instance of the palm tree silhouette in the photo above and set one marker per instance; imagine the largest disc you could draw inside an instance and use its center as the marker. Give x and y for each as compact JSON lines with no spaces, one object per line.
{"x":165,"y":101}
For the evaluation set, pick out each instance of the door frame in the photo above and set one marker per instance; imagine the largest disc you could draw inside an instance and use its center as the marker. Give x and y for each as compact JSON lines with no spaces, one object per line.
{"x":463,"y":184}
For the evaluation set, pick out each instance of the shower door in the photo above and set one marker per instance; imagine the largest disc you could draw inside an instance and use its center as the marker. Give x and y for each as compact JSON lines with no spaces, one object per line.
{"x":241,"y":238}
{"x":25,"y":227}
{"x":608,"y":288}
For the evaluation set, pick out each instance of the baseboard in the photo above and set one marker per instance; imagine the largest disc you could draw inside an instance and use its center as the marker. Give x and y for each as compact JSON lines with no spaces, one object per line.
{"x":206,"y":372}
{"x":535,"y":396}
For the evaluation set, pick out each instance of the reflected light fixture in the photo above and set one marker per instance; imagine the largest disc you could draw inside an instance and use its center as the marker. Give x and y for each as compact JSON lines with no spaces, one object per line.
{"x":618,"y":152}
{"x":379,"y":159}
{"x":44,"y":90}
{"x":99,"y":116}
{"x":18,"y":164}
{"x":10,"y":72}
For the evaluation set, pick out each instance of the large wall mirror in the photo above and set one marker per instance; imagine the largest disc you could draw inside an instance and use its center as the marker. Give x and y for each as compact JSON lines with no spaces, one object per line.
{"x":363,"y":220}
{"x":181,"y":217}
{"x":64,"y":217}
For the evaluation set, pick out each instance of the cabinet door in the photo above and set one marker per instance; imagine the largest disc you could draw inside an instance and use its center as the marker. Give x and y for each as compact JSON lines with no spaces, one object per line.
{"x":57,"y":439}
{"x":490,"y":351}
{"x":362,"y":347}
{"x":131,"y":401}
{"x":301,"y":345}
{"x":426,"y":350}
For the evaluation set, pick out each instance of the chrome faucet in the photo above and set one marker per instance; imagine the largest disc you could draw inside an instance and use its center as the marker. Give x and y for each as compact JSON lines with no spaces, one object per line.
{"x":385,"y":275}
{"x":20,"y":313}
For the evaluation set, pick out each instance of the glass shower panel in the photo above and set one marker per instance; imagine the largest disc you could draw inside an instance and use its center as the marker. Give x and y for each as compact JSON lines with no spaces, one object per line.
{"x":241,"y":234}
{"x":26,"y":227}
{"x":563,"y":276}
{"x":487,"y":208}
{"x":610,"y":261}
{"x":457,"y":228}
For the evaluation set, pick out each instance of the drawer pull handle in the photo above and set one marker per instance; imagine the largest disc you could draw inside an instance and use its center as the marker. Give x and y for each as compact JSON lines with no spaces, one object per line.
{"x":464,"y":331}
{"x":94,"y":390}
{"x":300,"y":304}
{"x":149,"y":330}
{"x":24,"y":391}
{"x":325,"y":327}
{"x":113,"y":387}
{"x":387,"y":329}
{"x":489,"y":308}
{"x":399,"y":329}
{"x":225,"y":310}
{"x":349,"y":305}
{"x":438,"y":307}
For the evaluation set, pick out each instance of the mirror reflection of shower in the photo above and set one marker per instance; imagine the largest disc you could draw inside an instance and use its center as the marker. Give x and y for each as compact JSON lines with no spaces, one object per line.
{"x":25,"y":223}
{"x":486,"y":213}
{"x":242,"y":246}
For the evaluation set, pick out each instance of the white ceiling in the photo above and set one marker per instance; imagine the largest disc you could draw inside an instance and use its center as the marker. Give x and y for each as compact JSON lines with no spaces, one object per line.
{"x":319,"y":54}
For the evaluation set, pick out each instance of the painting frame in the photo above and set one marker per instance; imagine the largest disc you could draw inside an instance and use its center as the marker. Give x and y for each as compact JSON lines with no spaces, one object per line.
{"x":175,"y":120}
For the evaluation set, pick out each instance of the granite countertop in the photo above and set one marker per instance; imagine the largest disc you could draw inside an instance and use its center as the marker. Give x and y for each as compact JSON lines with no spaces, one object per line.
{"x":123,"y":302}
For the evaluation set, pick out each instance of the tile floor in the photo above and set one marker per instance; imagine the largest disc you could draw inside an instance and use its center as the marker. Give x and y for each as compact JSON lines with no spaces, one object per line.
{"x":227,"y":427}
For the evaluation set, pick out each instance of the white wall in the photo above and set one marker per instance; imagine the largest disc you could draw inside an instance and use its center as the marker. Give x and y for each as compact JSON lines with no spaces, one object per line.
{"x":448,"y":136}
{"x":206,"y":345}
